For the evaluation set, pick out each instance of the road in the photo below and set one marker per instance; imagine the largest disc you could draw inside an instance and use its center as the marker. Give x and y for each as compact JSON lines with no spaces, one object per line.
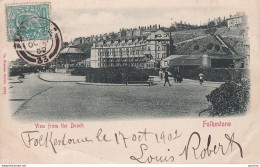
{"x":35,"y":99}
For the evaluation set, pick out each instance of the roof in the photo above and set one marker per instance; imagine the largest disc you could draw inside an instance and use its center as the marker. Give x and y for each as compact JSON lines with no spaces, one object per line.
{"x":212,"y":56}
{"x":150,"y":61}
{"x":186,"y":60}
{"x":227,"y":56}
{"x":237,"y":15}
{"x":197,"y":59}
{"x":70,"y":50}
{"x":190,"y":57}
{"x":161,"y":35}
{"x":172,"y":57}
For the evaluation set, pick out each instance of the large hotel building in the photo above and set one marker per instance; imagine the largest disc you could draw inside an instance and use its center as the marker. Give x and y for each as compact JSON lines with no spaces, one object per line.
{"x":140,"y":52}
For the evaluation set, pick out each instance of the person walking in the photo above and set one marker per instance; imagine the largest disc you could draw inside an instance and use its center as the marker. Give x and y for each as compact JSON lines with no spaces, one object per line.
{"x":175,"y":74}
{"x":161,"y":74}
{"x":179,"y":75}
{"x":166,"y":77}
{"x":201,"y":78}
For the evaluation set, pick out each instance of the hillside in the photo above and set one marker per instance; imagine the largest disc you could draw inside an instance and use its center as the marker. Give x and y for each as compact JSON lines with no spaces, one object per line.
{"x":224,"y":41}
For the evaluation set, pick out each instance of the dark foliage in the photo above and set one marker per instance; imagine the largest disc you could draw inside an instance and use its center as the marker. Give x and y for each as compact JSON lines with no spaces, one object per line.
{"x":213,"y":74}
{"x":196,"y":47}
{"x":226,"y":50}
{"x":18,"y":71}
{"x":217,"y":47}
{"x":86,"y":47}
{"x":210,"y":46}
{"x":231,"y":98}
{"x":114,"y":74}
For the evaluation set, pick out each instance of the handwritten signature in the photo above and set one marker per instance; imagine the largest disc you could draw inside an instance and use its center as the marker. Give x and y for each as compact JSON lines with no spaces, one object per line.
{"x":193,"y":149}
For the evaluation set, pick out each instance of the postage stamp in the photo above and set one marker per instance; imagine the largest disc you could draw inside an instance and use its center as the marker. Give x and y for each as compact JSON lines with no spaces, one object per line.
{"x":37,"y":40}
{"x":25,"y":18}
{"x":39,"y":52}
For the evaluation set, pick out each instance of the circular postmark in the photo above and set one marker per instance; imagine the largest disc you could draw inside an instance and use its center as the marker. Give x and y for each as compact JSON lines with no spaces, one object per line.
{"x":37,"y":40}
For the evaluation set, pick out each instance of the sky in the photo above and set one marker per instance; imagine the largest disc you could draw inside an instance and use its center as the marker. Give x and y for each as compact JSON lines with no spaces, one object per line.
{"x":85,"y":20}
{"x":82,"y":18}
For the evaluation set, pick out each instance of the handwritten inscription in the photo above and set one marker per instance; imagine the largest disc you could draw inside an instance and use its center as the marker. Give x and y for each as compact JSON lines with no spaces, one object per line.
{"x":151,"y":158}
{"x":32,"y":138}
{"x":201,"y":153}
{"x":195,"y":148}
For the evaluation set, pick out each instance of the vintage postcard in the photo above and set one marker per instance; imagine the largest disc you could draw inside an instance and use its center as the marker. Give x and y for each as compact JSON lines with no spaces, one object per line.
{"x":129,"y":82}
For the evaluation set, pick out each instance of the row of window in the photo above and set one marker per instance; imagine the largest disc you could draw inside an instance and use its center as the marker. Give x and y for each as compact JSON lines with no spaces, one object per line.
{"x":120,"y":52}
{"x":134,"y":46}
{"x":124,"y":64}
{"x":119,"y":49}
{"x":161,"y":56}
{"x":149,"y":65}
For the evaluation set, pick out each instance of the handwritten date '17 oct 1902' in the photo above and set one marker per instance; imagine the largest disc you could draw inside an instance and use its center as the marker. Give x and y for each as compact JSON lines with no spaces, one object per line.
{"x":192,"y":149}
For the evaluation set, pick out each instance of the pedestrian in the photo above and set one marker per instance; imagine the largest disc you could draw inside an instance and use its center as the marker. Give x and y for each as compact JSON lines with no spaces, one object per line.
{"x":175,"y":74}
{"x":178,"y":75}
{"x":201,"y":78}
{"x":166,"y":77}
{"x":161,"y":75}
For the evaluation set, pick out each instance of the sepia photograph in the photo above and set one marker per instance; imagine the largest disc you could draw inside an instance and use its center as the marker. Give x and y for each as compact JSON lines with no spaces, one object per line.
{"x":127,"y":63}
{"x":129,"y":82}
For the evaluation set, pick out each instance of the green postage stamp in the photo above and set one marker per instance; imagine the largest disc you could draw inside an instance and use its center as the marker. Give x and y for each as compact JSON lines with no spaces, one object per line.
{"x":25,"y":22}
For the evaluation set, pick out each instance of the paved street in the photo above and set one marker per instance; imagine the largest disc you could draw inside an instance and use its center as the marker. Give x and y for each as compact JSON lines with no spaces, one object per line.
{"x":36,"y":99}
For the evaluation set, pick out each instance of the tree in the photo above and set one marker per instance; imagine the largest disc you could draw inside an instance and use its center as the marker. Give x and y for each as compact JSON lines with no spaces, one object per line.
{"x":86,"y":48}
{"x":224,"y":23}
{"x":211,"y":24}
{"x":113,"y":36}
{"x":65,"y":44}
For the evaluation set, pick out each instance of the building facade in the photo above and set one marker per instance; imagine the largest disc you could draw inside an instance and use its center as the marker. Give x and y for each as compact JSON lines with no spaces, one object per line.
{"x":69,"y":58}
{"x":239,"y":19}
{"x":135,"y":52}
{"x":204,"y":61}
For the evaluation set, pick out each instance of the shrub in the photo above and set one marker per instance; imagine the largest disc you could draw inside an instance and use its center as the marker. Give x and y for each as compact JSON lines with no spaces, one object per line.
{"x":230,"y":98}
{"x":213,"y":74}
{"x":196,"y":47}
{"x":217,"y":47}
{"x":114,"y":74}
{"x":210,"y":46}
{"x":16,"y":71}
{"x":226,"y":50}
